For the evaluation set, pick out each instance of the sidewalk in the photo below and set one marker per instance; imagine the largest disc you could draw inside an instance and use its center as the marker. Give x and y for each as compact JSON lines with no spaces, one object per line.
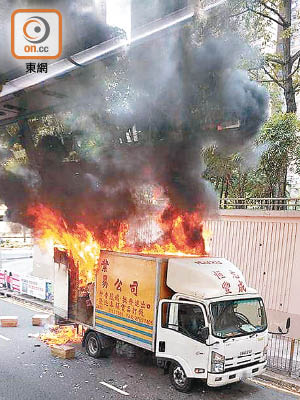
{"x":23,"y":298}
{"x":282,"y":381}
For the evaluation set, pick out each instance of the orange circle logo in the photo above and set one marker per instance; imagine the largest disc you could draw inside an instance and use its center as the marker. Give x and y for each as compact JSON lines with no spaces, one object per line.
{"x":36,"y":29}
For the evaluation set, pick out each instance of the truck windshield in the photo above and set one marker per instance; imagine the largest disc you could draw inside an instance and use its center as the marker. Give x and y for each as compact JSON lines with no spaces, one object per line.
{"x":238,"y":317}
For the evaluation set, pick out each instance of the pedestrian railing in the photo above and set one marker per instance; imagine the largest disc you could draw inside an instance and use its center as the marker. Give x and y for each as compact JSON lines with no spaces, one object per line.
{"x":255,"y":203}
{"x":284,"y":355}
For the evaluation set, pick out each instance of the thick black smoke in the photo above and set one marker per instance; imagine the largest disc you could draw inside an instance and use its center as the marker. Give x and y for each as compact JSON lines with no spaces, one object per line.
{"x":177,"y":95}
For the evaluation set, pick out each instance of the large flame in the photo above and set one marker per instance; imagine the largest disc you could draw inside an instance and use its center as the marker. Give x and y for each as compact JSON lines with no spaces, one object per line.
{"x":183,"y":234}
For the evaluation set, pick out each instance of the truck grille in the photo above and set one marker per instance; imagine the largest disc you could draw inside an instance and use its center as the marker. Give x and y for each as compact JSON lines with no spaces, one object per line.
{"x":243,"y":366}
{"x":233,"y":363}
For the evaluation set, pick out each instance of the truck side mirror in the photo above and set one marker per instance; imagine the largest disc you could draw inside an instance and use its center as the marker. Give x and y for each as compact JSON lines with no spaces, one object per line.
{"x":204,"y":334}
{"x":287,"y":327}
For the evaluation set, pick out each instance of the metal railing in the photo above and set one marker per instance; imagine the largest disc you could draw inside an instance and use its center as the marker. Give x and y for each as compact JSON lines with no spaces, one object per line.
{"x":256,"y":203}
{"x":284,"y":355}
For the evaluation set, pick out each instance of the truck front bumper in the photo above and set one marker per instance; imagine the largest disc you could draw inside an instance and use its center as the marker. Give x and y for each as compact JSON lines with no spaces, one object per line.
{"x":236,"y":375}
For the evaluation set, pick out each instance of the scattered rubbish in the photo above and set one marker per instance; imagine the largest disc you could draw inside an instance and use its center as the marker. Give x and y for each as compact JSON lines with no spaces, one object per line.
{"x":60,"y":335}
{"x":40,"y":319}
{"x":114,"y":388}
{"x":9,"y":321}
{"x":63,"y":351}
{"x":33,"y":335}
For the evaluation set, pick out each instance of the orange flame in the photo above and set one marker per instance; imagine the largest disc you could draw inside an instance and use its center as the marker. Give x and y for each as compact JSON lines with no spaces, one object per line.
{"x":184,"y":234}
{"x":60,"y":335}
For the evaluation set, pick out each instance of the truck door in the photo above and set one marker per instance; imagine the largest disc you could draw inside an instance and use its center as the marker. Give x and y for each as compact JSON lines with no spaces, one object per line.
{"x":61,"y":290}
{"x":179,"y":327}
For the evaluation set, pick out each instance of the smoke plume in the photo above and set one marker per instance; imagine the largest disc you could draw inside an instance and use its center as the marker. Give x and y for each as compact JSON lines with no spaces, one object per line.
{"x":172,"y":97}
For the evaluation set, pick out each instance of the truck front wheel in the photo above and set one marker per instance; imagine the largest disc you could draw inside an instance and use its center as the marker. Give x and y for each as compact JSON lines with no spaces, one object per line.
{"x":94,"y":347}
{"x":179,"y":379}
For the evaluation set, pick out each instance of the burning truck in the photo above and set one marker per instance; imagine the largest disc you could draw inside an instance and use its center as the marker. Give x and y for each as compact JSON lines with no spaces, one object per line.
{"x":196,"y":314}
{"x":143,"y":117}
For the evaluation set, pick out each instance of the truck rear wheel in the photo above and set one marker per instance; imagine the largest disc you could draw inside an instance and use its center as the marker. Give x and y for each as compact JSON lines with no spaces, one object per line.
{"x":94,"y":346}
{"x":179,"y":379}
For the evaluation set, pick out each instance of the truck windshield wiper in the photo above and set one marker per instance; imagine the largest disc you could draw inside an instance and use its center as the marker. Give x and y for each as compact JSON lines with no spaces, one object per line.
{"x":230,"y":337}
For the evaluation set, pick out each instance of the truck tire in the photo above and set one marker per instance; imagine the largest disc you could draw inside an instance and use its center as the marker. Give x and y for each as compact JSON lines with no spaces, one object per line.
{"x":179,"y":379}
{"x":94,"y":346}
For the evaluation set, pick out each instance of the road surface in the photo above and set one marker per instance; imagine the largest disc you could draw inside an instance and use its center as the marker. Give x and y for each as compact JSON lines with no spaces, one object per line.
{"x":28,"y":372}
{"x":17,"y":260}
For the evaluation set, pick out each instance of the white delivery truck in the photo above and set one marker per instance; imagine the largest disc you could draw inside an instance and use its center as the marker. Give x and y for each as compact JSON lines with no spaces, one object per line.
{"x":197,"y":315}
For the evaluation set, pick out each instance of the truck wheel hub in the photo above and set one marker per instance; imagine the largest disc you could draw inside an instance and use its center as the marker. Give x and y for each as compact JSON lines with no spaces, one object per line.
{"x":93,"y":345}
{"x":179,"y":376}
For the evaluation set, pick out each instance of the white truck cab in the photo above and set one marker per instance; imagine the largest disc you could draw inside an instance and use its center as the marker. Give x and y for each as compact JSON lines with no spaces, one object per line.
{"x":214,"y":327}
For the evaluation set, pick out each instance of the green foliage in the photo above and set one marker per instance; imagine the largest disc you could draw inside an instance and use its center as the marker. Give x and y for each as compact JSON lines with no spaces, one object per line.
{"x":283,"y":146}
{"x":279,"y":145}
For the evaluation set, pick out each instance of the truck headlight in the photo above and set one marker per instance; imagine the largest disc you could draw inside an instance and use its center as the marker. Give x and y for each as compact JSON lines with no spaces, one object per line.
{"x":217,"y":362}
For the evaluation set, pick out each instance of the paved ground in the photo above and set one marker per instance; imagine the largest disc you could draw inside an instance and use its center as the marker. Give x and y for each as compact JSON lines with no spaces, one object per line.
{"x":17,"y":260}
{"x":28,"y":372}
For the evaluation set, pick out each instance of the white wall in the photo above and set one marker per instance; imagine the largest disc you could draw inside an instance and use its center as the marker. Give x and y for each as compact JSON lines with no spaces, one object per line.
{"x":265,"y":245}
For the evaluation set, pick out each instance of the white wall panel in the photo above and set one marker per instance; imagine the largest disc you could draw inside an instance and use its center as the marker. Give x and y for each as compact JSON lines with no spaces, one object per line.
{"x":263,"y":248}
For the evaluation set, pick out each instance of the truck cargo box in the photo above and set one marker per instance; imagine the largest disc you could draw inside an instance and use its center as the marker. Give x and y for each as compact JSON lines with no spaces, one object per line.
{"x":128,"y":289}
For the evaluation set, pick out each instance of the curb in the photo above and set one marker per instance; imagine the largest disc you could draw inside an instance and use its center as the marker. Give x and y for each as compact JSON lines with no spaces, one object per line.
{"x":281,"y":380}
{"x":22,"y":299}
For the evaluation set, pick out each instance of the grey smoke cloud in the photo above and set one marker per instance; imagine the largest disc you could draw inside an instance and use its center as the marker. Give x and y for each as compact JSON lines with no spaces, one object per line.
{"x":175,"y":93}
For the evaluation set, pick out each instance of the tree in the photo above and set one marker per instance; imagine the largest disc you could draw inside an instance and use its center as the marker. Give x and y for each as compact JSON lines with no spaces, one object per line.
{"x":279,"y":145}
{"x":281,"y":66}
{"x":279,"y":134}
{"x":222,"y":171}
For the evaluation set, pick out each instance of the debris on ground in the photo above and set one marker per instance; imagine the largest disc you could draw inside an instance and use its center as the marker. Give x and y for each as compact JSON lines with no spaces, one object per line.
{"x":63,"y":351}
{"x":33,"y":335}
{"x":9,"y":321}
{"x":60,"y":335}
{"x":40,"y":319}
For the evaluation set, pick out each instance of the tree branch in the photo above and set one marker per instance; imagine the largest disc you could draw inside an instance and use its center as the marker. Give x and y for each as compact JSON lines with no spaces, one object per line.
{"x":239,"y":13}
{"x":274,"y":60}
{"x":295,"y":70}
{"x":295,"y":57}
{"x":265,"y":16}
{"x":265,"y":81}
{"x":275,"y":12}
{"x":296,"y":87}
{"x":273,"y":4}
{"x":273,"y":78}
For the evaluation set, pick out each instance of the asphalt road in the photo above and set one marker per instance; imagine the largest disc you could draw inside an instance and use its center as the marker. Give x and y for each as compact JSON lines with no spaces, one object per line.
{"x":28,"y":372}
{"x":17,"y":260}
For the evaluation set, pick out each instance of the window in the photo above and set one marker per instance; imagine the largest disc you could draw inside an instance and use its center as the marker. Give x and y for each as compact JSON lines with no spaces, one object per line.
{"x":238,"y":317}
{"x":187,"y":319}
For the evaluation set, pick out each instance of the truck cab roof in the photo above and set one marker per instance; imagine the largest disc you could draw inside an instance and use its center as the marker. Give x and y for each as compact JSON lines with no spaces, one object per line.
{"x":206,"y":277}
